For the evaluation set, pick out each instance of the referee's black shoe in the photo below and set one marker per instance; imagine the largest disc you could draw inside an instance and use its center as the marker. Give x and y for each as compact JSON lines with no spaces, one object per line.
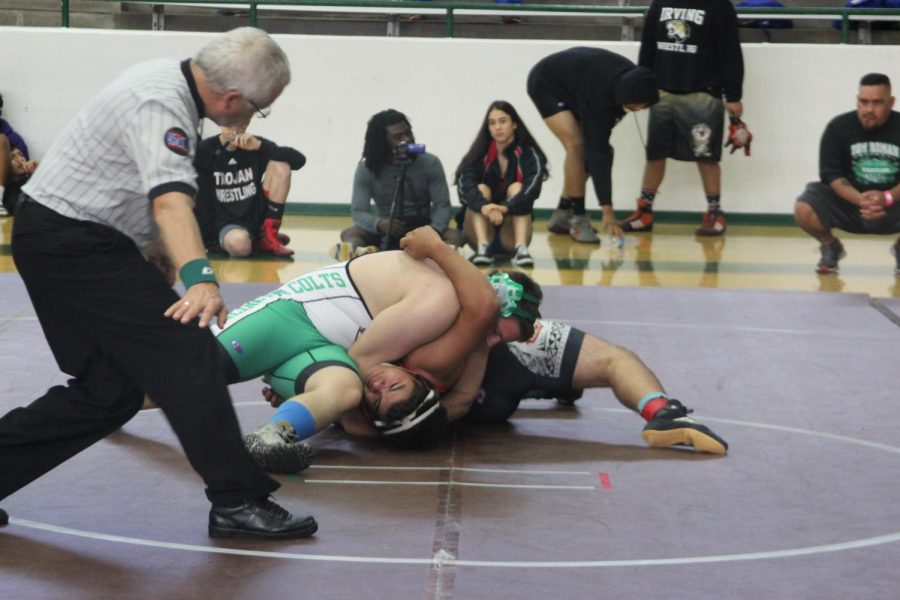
{"x":259,"y":519}
{"x":672,"y":426}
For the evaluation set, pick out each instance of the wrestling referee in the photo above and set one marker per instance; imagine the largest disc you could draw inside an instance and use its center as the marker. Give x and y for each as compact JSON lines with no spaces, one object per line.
{"x":105,"y":223}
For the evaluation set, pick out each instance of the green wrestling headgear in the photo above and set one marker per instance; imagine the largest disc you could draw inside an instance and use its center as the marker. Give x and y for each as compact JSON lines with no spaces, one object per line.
{"x":510,"y":293}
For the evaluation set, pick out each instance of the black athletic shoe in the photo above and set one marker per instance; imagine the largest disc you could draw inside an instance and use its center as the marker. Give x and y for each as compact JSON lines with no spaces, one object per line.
{"x":259,"y":519}
{"x":275,"y":448}
{"x":672,"y":426}
{"x":482,"y":256}
{"x":522,"y":257}
{"x":4,"y":518}
{"x":831,"y":254}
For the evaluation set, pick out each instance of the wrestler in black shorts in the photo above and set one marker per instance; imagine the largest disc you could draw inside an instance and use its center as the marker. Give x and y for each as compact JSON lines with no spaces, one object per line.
{"x":543,"y":367}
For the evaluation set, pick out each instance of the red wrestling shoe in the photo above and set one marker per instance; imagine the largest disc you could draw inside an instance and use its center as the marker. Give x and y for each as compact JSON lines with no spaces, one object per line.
{"x":269,"y":238}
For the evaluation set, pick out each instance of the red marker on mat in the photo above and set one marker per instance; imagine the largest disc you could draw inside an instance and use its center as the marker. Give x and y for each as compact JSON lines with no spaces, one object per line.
{"x":605,"y":483}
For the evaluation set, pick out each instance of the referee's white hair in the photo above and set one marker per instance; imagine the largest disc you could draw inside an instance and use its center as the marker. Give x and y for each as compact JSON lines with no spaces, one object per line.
{"x":247,"y":60}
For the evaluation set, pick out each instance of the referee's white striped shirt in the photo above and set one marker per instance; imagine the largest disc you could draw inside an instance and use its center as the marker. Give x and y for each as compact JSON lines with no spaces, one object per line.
{"x":122,"y":149}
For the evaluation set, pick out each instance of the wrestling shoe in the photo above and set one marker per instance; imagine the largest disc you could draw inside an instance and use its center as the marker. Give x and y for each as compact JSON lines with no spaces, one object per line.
{"x":671,"y":426}
{"x":4,"y":518}
{"x":482,"y":256}
{"x":569,"y":400}
{"x":560,"y":221}
{"x":713,"y":224}
{"x":269,"y":241}
{"x":259,"y":519}
{"x":522,"y":257}
{"x":641,"y":219}
{"x":275,"y":448}
{"x":831,"y":254}
{"x":582,"y":231}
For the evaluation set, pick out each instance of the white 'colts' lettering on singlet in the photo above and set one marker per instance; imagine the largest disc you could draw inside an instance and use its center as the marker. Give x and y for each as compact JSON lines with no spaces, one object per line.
{"x":330,"y":299}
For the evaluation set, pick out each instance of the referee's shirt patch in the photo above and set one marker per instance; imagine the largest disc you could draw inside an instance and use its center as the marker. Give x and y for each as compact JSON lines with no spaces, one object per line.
{"x":177,"y":141}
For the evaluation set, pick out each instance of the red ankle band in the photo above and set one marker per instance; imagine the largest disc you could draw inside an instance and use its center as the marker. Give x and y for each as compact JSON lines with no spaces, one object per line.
{"x":653,"y":407}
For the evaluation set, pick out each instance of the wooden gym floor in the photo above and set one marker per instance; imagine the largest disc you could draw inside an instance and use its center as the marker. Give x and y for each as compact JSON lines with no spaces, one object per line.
{"x":747,"y":257}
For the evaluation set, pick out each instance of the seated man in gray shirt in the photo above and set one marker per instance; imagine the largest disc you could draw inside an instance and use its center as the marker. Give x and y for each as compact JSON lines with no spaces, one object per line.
{"x":406,"y":184}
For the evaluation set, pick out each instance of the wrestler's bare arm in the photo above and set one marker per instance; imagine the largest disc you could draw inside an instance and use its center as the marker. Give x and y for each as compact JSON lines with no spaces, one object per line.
{"x":458,"y":399}
{"x":412,"y":301}
{"x":444,"y":359}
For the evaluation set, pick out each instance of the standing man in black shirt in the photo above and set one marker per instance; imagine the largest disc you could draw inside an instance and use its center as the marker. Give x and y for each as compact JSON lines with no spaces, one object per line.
{"x":859,"y":175}
{"x":694,"y":48}
{"x":582,"y":93}
{"x":243,"y":183}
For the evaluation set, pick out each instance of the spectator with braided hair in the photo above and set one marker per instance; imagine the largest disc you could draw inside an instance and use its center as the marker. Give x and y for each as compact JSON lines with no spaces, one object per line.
{"x":423,"y":197}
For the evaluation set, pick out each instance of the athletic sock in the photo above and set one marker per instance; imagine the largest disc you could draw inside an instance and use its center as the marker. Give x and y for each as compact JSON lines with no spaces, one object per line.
{"x":298,"y":416}
{"x":274,"y":210}
{"x":564,"y":203}
{"x":651,"y":404}
{"x":713,"y":202}
{"x":648,"y":196}
{"x":578,"y":205}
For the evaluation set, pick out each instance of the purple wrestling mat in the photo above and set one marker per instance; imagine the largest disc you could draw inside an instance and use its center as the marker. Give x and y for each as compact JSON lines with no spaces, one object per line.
{"x":560,"y":503}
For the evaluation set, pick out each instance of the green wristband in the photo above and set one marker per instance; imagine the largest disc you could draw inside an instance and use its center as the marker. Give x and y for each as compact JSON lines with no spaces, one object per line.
{"x":197,"y":271}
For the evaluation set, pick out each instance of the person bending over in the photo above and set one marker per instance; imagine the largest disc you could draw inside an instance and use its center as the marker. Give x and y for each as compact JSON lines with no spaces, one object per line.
{"x":582,"y":93}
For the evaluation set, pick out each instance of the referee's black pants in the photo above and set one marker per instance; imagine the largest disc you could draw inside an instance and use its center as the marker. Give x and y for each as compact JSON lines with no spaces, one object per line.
{"x":101,"y":305}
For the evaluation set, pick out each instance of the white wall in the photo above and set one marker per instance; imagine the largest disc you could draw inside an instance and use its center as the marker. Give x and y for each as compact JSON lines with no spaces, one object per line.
{"x":444,"y":86}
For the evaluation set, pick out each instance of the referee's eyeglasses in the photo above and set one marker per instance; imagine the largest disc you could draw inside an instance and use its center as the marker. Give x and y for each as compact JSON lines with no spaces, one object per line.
{"x":262,"y":113}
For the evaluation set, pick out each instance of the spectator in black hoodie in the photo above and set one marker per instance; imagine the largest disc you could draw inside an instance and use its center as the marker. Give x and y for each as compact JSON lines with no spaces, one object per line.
{"x":694,"y":49}
{"x":582,"y":93}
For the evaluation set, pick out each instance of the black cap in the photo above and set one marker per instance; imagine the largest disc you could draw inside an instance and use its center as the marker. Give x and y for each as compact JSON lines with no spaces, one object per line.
{"x":637,"y":86}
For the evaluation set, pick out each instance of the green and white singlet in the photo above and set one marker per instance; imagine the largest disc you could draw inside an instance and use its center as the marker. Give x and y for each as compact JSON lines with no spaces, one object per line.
{"x":293,"y":331}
